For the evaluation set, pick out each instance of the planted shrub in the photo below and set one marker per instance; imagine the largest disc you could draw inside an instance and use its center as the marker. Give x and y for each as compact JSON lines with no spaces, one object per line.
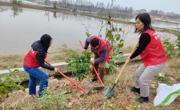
{"x":117,"y":43}
{"x":80,"y":64}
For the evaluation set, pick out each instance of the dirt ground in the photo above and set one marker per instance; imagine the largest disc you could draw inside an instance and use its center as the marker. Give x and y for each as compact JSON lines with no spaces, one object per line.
{"x":123,"y":99}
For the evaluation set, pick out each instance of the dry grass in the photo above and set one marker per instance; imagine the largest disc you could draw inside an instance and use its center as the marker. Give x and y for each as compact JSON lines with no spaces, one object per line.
{"x":10,"y":61}
{"x":127,"y":49}
{"x":62,"y":55}
{"x":14,"y":61}
{"x":123,"y":99}
{"x":174,"y":68}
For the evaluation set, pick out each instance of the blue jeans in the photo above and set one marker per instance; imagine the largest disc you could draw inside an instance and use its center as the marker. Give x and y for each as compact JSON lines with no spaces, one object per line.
{"x":34,"y":75}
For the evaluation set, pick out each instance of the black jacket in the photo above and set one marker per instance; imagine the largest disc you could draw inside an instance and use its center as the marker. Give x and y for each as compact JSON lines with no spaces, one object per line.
{"x":37,"y":46}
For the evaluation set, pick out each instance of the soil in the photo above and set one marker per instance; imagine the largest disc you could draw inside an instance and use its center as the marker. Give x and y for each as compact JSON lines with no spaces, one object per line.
{"x":123,"y":99}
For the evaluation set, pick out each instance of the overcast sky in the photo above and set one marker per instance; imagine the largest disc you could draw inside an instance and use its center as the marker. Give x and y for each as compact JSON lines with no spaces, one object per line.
{"x":164,"y":5}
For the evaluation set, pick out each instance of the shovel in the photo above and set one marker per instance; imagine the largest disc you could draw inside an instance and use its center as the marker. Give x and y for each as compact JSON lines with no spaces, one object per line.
{"x":99,"y":78}
{"x":81,"y":44}
{"x":73,"y":83}
{"x":109,"y":91}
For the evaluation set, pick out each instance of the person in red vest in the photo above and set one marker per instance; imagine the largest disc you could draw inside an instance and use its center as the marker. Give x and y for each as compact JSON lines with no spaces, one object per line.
{"x":34,"y":59}
{"x":101,"y":50}
{"x":152,"y":54}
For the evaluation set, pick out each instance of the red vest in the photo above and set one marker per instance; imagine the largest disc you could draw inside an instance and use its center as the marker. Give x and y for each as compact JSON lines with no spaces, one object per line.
{"x":103,"y":43}
{"x":30,"y":59}
{"x":154,"y":53}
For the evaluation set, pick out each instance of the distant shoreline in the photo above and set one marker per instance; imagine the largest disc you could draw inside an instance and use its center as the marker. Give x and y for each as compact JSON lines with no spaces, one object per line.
{"x":84,"y":13}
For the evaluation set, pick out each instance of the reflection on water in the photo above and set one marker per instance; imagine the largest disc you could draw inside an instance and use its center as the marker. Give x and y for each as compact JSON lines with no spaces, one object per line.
{"x":20,"y":27}
{"x":16,"y":11}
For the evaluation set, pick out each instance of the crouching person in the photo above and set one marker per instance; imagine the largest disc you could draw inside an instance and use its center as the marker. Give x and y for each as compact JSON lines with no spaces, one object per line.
{"x":34,"y":59}
{"x":152,"y":54}
{"x":101,"y":50}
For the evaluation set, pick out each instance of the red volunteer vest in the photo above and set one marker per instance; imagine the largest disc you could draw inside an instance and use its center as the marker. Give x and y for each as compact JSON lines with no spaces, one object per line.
{"x":30,"y":59}
{"x":103,"y":43}
{"x":154,"y":53}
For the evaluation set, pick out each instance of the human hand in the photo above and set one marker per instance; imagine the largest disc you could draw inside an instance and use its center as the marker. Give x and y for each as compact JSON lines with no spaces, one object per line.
{"x":56,"y":70}
{"x":92,"y":61}
{"x":127,"y":60}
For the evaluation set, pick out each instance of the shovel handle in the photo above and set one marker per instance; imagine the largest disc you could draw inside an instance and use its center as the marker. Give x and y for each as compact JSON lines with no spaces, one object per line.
{"x":73,"y":82}
{"x":98,"y":76}
{"x":126,"y":62}
{"x":122,"y":69}
{"x":81,"y":44}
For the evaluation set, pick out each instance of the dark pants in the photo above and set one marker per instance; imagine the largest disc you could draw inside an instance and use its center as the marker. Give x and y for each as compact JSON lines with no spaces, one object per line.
{"x":34,"y":75}
{"x":100,"y":68}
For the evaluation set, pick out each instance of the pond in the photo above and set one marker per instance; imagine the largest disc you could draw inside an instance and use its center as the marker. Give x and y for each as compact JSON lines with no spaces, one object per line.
{"x":19,"y":27}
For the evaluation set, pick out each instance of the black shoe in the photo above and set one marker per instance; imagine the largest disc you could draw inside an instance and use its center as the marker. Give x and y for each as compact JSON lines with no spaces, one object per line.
{"x":143,"y":99}
{"x":93,"y":79}
{"x":136,"y":90}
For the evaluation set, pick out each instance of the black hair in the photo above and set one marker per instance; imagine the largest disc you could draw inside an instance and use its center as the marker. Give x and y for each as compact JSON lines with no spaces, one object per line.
{"x":94,"y":42}
{"x":145,"y":19}
{"x":45,"y":41}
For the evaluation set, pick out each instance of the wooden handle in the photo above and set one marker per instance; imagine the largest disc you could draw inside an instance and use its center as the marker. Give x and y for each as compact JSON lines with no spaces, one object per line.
{"x":97,"y":74}
{"x":126,"y":62}
{"x":81,"y":44}
{"x":122,"y":69}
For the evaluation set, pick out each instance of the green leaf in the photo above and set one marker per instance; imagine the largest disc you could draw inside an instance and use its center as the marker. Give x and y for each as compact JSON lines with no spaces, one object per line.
{"x":88,"y":34}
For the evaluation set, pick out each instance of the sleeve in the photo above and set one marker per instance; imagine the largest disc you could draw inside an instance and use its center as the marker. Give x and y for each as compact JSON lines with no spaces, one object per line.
{"x":40,"y":58}
{"x":87,"y":43}
{"x":102,"y":55}
{"x":144,"y":40}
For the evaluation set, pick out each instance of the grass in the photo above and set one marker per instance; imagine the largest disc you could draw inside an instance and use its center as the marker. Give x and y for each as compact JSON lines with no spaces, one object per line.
{"x":61,"y":55}
{"x":174,"y":63}
{"x":127,"y":49}
{"x":123,"y":99}
{"x":7,"y":61}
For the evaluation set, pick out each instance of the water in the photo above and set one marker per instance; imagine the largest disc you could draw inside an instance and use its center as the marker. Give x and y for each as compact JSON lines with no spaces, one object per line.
{"x":20,"y":27}
{"x":168,"y":25}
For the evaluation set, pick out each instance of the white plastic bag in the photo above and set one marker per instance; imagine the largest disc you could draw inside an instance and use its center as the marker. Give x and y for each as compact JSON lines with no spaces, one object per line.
{"x":166,"y":94}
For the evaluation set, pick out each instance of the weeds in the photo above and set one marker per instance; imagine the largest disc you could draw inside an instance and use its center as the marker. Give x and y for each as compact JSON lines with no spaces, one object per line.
{"x":172,"y":49}
{"x":7,"y":85}
{"x":80,"y":64}
{"x":169,"y":47}
{"x":161,"y":79}
{"x":58,"y":100}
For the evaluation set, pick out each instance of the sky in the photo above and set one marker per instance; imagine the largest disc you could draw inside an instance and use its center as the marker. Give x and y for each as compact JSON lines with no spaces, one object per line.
{"x":163,"y":5}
